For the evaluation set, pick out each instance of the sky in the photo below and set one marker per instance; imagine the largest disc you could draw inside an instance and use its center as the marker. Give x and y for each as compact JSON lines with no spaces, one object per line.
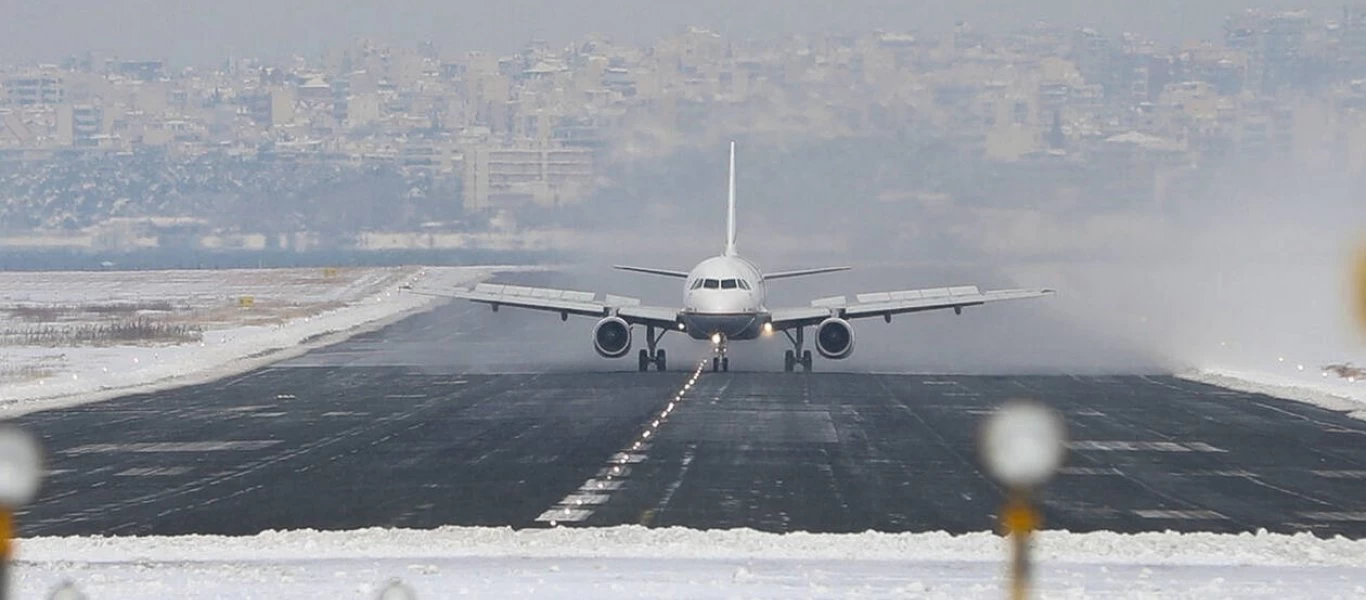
{"x":199,"y":31}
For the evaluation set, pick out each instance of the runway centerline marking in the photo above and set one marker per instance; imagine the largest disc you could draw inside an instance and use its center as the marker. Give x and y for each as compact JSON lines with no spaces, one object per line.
{"x":581,"y":503}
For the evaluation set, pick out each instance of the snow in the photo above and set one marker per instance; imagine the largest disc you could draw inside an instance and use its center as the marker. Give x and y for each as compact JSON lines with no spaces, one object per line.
{"x":637,"y":562}
{"x":1325,"y":391}
{"x":295,"y":311}
{"x":620,"y":562}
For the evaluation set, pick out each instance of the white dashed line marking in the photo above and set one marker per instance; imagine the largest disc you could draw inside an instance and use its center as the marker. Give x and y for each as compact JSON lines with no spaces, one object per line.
{"x":206,"y":446}
{"x":1125,"y":446}
{"x":1205,"y":515}
{"x":153,"y":472}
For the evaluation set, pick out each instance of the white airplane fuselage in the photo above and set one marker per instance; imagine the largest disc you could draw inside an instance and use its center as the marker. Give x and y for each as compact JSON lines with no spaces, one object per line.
{"x":724,"y":295}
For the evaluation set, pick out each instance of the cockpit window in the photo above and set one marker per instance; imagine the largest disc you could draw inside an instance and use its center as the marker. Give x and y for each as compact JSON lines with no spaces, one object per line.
{"x":744,"y":285}
{"x":728,"y":284}
{"x":697,"y":284}
{"x":713,"y":284}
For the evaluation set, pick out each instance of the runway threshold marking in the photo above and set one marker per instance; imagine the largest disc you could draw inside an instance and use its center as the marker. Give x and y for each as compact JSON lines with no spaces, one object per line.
{"x":580,"y":504}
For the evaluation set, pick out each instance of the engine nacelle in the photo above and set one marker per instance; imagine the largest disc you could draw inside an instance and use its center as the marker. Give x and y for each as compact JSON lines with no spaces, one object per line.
{"x":612,"y":337}
{"x":835,"y":338}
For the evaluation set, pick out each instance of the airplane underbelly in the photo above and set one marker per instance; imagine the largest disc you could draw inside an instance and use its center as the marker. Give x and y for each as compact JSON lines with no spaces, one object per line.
{"x":741,"y":326}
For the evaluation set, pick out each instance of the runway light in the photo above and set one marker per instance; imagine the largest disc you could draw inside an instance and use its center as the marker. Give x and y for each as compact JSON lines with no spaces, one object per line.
{"x":681,"y":327}
{"x":66,"y":591}
{"x":1299,"y":367}
{"x":1023,"y":443}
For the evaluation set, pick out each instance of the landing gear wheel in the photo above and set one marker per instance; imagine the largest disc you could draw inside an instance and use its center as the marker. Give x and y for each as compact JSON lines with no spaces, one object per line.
{"x":725,"y":364}
{"x":806,"y":360}
{"x":660,"y":363}
{"x":644,"y":359}
{"x":789,"y":361}
{"x":715,"y":364}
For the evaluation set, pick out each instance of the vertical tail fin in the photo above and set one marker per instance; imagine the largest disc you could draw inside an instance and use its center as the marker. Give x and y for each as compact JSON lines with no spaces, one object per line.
{"x":730,"y":214}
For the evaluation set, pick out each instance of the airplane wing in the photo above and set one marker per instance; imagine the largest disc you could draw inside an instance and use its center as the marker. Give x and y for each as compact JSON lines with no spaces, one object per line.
{"x":803,"y":272}
{"x":653,"y":271}
{"x":565,"y":302}
{"x":886,"y":304}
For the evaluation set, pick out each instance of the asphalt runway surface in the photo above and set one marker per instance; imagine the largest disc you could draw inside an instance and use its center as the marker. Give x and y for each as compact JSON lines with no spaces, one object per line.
{"x":442,"y":420}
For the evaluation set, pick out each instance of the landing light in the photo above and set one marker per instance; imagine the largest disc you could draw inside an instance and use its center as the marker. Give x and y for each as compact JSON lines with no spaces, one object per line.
{"x":682,"y":327}
{"x":768,"y":329}
{"x":716,"y":338}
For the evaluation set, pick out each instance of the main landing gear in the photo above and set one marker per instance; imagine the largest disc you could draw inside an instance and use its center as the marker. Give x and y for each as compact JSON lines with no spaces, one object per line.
{"x":796,"y":356}
{"x":720,"y":362}
{"x":654,"y":356}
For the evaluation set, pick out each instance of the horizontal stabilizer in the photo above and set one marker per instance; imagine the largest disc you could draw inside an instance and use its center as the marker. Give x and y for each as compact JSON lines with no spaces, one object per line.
{"x":664,"y":272}
{"x":804,"y":272}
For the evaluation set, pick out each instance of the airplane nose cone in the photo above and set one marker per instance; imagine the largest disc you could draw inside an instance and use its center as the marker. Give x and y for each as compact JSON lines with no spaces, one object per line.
{"x":723,"y":302}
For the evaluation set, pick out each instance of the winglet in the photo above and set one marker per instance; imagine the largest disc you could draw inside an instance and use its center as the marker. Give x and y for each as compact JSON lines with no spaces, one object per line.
{"x":730,"y":214}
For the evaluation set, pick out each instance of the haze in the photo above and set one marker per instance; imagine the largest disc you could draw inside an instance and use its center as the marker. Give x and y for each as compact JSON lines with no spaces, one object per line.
{"x":197,"y":31}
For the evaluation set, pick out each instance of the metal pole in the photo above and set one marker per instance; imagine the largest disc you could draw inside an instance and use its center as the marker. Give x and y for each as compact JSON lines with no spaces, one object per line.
{"x":1020,"y":520}
{"x":6,"y":549}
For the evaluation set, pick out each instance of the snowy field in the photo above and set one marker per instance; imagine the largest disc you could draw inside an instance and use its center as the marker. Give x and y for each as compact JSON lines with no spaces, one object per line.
{"x":635,"y":562}
{"x":73,"y":337}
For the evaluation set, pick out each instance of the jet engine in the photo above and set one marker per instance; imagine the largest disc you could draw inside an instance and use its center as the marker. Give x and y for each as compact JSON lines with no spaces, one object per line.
{"x":612,"y":337}
{"x":835,"y":338}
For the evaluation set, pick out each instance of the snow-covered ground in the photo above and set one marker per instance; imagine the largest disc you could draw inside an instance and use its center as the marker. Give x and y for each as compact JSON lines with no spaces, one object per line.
{"x":297,"y":310}
{"x":292,"y":311}
{"x":635,"y":562}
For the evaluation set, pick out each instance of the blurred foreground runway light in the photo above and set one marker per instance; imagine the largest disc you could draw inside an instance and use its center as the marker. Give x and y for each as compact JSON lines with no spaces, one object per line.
{"x":396,"y":590}
{"x":66,"y":591}
{"x":21,"y":470}
{"x":1022,"y":445}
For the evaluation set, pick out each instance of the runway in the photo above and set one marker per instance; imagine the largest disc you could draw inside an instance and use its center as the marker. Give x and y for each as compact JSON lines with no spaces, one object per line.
{"x":443,"y":420}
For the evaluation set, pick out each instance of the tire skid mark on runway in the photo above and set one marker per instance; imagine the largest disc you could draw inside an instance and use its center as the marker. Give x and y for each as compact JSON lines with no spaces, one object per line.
{"x":897,"y":401}
{"x":1256,"y":478}
{"x":583,"y":502}
{"x":689,"y":452}
{"x":238,"y":472}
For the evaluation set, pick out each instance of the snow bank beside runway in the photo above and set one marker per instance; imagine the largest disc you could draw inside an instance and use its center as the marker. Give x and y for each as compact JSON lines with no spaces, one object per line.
{"x":634,"y":562}
{"x":1311,"y":387}
{"x":315,"y":315}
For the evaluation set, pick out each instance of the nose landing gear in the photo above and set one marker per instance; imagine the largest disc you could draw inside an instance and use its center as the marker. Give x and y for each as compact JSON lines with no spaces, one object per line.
{"x":720,"y":362}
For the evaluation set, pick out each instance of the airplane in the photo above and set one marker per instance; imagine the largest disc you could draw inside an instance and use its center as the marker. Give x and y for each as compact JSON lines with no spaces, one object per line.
{"x":724,"y":301}
{"x":1346,"y":371}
